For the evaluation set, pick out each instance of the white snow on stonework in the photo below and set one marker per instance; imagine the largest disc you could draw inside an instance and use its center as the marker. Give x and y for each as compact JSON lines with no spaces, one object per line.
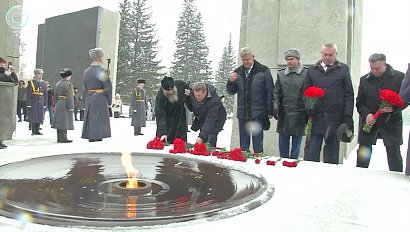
{"x":311,"y":197}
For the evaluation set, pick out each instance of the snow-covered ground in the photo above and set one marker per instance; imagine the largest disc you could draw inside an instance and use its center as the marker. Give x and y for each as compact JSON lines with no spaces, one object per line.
{"x":310,"y":197}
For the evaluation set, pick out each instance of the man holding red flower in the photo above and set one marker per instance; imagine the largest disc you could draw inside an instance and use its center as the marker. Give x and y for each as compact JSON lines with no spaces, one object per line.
{"x":331,"y":110}
{"x":388,"y":126}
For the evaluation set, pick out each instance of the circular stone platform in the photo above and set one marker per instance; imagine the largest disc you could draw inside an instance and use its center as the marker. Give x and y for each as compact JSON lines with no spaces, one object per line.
{"x":89,"y":190}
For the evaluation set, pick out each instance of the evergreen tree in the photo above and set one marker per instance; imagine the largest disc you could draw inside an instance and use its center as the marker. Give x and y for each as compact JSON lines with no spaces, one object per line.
{"x":191,"y":55}
{"x":124,"y":78}
{"x":225,"y":67}
{"x":140,"y":49}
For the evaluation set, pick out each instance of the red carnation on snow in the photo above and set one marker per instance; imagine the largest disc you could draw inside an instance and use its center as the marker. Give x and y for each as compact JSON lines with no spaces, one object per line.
{"x":179,"y":146}
{"x":270,"y":162}
{"x":290,"y":164}
{"x":155,"y":144}
{"x":200,"y":149}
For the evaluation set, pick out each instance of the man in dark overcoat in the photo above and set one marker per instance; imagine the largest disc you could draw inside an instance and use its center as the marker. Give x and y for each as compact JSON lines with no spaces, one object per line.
{"x":138,"y":107}
{"x":98,"y":97}
{"x":389,"y":126}
{"x":209,"y":113}
{"x":253,"y":83}
{"x":36,"y":101}
{"x":330,"y":111}
{"x":170,"y":110}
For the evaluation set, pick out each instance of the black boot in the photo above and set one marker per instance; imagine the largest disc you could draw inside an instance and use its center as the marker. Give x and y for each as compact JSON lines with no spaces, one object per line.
{"x":37,"y":128}
{"x":59,"y":139}
{"x":139,"y":131}
{"x":2,"y":145}
{"x":62,"y":136}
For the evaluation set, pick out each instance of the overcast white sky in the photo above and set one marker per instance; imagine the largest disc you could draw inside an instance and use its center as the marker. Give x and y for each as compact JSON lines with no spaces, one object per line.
{"x":386,"y":26}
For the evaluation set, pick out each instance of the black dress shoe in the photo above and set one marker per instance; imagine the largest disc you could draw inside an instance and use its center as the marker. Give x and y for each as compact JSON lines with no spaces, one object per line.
{"x":65,"y":141}
{"x":38,"y":133}
{"x":94,"y":140}
{"x":2,"y":144}
{"x":140,"y":134}
{"x":19,"y":120}
{"x":3,"y":147}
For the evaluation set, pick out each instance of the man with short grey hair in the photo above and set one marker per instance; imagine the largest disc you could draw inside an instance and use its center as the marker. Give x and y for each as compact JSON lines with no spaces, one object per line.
{"x":288,"y":106}
{"x":97,"y":95}
{"x":389,"y":125}
{"x":253,"y":83}
{"x":331,"y":110}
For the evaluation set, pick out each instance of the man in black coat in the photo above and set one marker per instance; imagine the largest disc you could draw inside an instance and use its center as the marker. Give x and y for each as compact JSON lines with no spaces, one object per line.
{"x":389,"y":126}
{"x":170,"y":110}
{"x":209,"y":113}
{"x":253,"y":83}
{"x":330,"y":111}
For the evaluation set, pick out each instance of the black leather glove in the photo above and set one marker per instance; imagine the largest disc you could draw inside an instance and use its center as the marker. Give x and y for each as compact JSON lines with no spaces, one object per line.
{"x":349,"y":122}
{"x":275,"y":114}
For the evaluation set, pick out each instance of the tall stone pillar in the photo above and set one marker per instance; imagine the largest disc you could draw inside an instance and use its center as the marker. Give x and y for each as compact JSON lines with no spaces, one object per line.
{"x":270,"y":27}
{"x":8,"y":106}
{"x":11,"y":22}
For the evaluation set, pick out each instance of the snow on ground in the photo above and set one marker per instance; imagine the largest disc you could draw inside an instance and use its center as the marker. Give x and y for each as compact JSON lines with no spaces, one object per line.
{"x":311,"y":197}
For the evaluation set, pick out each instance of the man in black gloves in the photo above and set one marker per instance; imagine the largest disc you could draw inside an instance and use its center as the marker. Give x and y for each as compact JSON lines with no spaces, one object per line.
{"x":331,"y":110}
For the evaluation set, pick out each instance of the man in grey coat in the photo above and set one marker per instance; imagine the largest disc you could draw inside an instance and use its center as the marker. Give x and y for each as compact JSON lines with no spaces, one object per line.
{"x":97,"y":95}
{"x":138,"y":107}
{"x":64,"y":102}
{"x":288,"y":106}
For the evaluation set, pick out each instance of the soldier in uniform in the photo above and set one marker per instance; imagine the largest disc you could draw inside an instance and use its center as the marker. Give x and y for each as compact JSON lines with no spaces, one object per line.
{"x":288,"y":105}
{"x":64,"y":101}
{"x":36,"y":101}
{"x":138,"y":106}
{"x":98,"y":97}
{"x":117,"y":106}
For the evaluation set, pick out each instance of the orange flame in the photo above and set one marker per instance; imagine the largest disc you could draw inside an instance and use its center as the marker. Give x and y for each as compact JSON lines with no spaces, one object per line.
{"x":132,"y":173}
{"x":131,"y":211}
{"x":132,"y":183}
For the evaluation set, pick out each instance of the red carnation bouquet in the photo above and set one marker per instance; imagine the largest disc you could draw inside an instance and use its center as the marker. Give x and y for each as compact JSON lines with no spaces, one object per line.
{"x":179,"y":146}
{"x":155,"y":144}
{"x":200,"y":149}
{"x":313,"y":93}
{"x":389,"y":98}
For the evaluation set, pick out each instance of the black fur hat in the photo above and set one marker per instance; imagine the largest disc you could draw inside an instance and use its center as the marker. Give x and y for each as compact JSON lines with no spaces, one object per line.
{"x":65,"y":72}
